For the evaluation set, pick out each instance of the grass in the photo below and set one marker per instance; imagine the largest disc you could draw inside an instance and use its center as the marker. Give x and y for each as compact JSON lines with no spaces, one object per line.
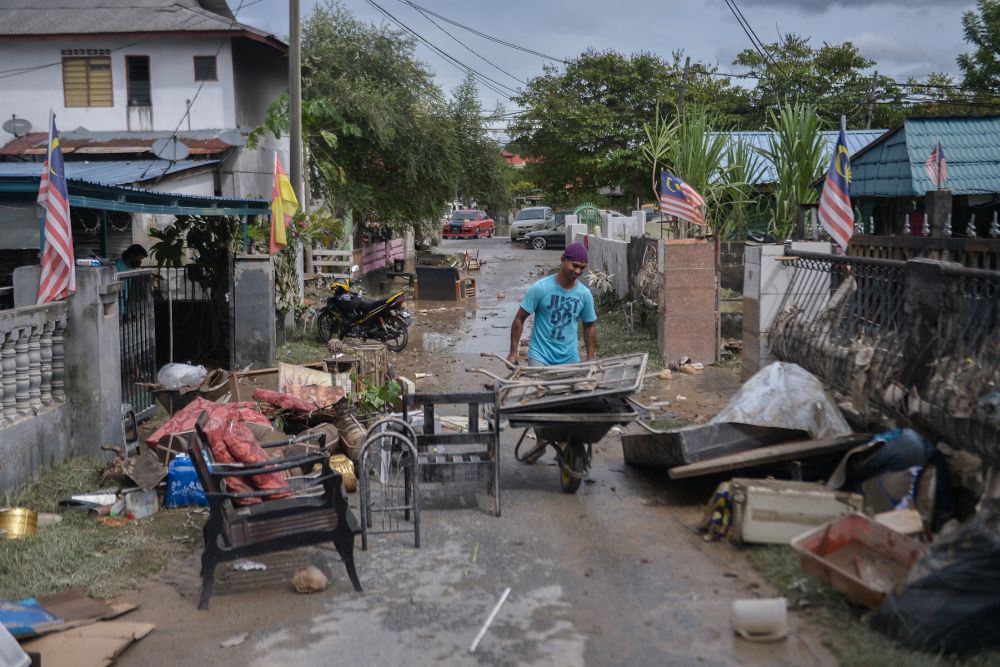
{"x":844,"y":626}
{"x":301,"y":350}
{"x":617,"y":335}
{"x":80,"y":553}
{"x":667,"y":423}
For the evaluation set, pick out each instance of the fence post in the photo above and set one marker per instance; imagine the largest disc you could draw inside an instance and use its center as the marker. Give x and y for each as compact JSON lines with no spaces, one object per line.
{"x":253,"y":311}
{"x":923,"y":303}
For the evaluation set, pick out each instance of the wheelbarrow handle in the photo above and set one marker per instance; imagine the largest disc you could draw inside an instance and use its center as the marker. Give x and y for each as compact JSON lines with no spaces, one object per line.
{"x":494,"y":355}
{"x":486,"y":373}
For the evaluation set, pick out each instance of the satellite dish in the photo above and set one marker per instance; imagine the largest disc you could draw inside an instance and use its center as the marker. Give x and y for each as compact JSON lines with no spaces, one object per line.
{"x":234,"y":138}
{"x":17,"y":126}
{"x":170,"y":148}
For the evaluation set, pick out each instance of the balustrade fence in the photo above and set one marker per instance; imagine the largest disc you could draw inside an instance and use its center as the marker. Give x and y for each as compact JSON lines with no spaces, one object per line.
{"x":32,"y":360}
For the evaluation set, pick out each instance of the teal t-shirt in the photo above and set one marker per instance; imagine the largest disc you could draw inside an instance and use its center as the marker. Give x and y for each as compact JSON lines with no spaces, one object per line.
{"x":556,"y":311}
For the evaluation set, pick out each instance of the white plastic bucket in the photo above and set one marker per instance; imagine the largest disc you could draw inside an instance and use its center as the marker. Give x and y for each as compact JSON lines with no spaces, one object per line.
{"x":761,"y":620}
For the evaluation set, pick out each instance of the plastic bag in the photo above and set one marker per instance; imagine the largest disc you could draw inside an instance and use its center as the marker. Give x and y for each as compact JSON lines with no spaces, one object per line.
{"x":183,"y":487}
{"x":175,"y":376}
{"x":785,"y":395}
{"x":952,"y":603}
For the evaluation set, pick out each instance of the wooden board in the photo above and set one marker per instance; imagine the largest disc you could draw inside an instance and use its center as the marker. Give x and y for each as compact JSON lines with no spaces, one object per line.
{"x":786,"y":451}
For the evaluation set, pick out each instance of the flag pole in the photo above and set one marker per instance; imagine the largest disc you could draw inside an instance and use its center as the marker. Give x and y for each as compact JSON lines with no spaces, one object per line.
{"x":45,"y":165}
{"x":939,"y":163}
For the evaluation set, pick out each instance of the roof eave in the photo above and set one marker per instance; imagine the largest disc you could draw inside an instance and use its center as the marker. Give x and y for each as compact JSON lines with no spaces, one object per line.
{"x":257,"y":36}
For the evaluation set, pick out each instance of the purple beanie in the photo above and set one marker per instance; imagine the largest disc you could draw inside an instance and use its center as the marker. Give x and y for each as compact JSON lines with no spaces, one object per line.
{"x":576,"y":252}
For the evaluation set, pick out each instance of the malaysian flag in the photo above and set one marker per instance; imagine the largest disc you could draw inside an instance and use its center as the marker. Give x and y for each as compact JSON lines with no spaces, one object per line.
{"x":936,"y":166}
{"x":835,"y":212}
{"x":58,"y":278}
{"x":680,"y":200}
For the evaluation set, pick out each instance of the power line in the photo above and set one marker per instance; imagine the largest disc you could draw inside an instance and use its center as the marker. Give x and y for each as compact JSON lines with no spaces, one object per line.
{"x":460,"y":43}
{"x":485,"y":35}
{"x":484,"y":80}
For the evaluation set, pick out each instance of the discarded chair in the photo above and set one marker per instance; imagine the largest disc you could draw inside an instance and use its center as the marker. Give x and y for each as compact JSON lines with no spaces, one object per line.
{"x":316,"y":512}
{"x":470,"y":263}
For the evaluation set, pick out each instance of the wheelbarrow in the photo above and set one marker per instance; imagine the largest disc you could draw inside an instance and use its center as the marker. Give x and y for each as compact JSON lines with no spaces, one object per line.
{"x":570,"y":407}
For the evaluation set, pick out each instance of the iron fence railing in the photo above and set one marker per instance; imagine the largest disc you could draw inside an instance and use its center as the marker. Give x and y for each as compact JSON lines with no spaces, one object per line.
{"x":915,"y":340}
{"x":137,"y":321}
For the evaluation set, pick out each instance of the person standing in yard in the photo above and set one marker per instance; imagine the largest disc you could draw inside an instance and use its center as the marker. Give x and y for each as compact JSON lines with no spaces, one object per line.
{"x":557,"y":302}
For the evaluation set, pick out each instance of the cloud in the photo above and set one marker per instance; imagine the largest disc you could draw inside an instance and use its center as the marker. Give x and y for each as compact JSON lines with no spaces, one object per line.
{"x":911,"y":58}
{"x":821,"y":6}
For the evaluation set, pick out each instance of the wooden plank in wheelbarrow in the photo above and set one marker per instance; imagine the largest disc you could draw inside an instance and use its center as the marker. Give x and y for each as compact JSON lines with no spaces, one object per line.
{"x":786,"y":451}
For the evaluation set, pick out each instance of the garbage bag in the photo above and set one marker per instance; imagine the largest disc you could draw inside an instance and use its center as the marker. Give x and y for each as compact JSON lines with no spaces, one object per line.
{"x":788,"y":396}
{"x":183,"y":487}
{"x":952,"y":601}
{"x":175,"y":376}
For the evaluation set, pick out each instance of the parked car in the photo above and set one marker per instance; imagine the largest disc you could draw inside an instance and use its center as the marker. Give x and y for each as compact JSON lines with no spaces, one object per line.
{"x":552,"y":237}
{"x":469,"y":224}
{"x":530,"y":220}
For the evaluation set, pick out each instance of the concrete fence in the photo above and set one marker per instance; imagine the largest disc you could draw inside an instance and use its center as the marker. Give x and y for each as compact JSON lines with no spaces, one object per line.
{"x":33,"y":360}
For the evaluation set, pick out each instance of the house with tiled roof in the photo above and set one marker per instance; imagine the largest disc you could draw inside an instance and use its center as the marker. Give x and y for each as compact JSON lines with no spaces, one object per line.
{"x":120,"y":75}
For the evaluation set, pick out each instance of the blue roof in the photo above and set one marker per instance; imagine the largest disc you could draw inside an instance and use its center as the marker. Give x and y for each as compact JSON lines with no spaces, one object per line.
{"x":856,"y":140}
{"x":110,"y":172}
{"x":894,"y":166}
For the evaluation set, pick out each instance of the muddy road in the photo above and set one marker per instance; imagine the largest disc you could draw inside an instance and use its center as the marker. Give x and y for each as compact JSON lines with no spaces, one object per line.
{"x":613,"y":575}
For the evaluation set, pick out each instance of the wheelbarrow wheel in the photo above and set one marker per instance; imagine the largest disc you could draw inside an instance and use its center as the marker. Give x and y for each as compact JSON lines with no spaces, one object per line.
{"x":573,"y":467}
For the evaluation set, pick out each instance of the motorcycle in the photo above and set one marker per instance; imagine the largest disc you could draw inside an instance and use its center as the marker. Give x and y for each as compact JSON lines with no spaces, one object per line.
{"x":348,"y":315}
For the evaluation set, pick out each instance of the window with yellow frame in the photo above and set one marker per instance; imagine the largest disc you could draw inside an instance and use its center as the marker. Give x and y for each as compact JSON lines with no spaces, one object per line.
{"x":87,"y":82}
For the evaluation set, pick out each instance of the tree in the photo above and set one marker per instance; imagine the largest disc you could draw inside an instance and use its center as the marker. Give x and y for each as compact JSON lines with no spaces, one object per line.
{"x":798,"y":153}
{"x":481,"y":175}
{"x":583,"y":123}
{"x":830,"y":78}
{"x":981,"y":68}
{"x":377,"y":129}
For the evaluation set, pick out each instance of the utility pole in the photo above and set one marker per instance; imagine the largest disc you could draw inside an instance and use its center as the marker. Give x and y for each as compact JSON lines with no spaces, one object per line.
{"x":870,"y":109}
{"x":295,"y":113}
{"x":684,"y":80}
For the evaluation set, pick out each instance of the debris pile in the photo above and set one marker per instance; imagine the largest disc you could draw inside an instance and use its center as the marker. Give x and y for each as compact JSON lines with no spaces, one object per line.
{"x":892,"y":520}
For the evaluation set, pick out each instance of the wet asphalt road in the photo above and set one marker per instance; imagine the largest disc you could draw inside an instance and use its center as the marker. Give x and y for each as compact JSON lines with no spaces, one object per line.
{"x":613,"y":575}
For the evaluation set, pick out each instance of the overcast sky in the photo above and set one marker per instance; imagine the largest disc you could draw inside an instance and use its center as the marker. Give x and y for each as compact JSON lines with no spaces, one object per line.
{"x":905,"y":37}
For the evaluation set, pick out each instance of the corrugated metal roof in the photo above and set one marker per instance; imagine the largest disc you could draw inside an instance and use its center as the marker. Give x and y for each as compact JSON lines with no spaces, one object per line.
{"x":894,"y":167}
{"x":856,"y":140}
{"x":116,"y":172}
{"x":199,"y":142}
{"x":59,"y":17}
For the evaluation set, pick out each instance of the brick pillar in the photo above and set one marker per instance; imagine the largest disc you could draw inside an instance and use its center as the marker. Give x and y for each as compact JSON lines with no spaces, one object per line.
{"x":689,"y":312}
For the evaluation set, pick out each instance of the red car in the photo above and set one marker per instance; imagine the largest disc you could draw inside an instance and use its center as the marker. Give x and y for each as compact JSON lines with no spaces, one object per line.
{"x":469,"y":224}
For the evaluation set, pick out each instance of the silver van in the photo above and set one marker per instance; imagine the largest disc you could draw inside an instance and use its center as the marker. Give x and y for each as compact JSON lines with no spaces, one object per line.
{"x":531,"y":220}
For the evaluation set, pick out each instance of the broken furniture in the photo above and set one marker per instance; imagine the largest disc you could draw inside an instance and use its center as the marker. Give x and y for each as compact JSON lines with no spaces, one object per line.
{"x":316,"y":511}
{"x":472,"y":263}
{"x":691,"y":444}
{"x":441,"y":455}
{"x":243,"y":383}
{"x":786,"y":455}
{"x":773,"y":511}
{"x":859,"y":557}
{"x":443,"y":283}
{"x":388,"y":485}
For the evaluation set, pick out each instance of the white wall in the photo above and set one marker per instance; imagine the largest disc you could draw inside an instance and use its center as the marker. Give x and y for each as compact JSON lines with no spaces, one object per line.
{"x":171,"y":60}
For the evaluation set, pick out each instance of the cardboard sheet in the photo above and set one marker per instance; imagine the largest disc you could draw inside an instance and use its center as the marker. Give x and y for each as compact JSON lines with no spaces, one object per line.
{"x":94,"y":645}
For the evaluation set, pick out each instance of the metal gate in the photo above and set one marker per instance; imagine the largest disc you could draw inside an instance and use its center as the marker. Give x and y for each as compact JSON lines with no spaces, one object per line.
{"x":137,"y":320}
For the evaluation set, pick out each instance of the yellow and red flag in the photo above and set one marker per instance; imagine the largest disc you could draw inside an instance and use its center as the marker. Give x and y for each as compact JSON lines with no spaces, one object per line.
{"x":284,"y":204}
